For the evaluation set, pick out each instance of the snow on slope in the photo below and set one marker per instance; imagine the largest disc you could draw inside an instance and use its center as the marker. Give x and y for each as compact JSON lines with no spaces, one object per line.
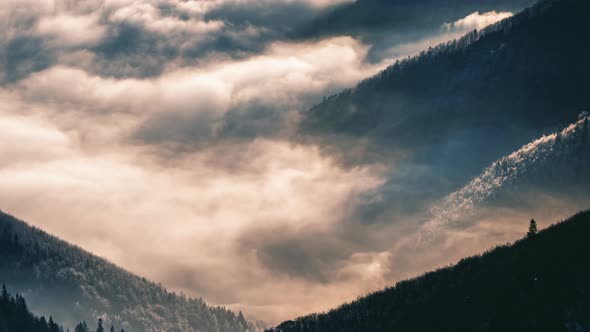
{"x":546,"y":153}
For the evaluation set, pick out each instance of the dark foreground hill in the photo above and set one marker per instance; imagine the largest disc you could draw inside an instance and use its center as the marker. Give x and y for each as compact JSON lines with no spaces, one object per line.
{"x":72,"y":285}
{"x":540,"y":283}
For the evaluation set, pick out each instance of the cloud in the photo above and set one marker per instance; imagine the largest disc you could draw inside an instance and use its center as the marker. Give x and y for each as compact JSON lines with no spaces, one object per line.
{"x":145,"y":38}
{"x":142,"y":39}
{"x":174,"y":124}
{"x":477,"y":21}
{"x":190,"y":108}
{"x":20,"y":137}
{"x":150,"y":18}
{"x":117,"y":193}
{"x":67,"y":30}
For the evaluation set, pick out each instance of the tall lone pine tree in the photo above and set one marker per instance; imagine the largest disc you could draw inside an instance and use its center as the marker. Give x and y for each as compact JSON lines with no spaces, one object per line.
{"x":532,"y":228}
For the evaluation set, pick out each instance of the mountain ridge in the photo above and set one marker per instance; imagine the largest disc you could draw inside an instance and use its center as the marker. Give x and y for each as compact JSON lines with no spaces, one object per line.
{"x":555,"y":160}
{"x":508,"y":80}
{"x":74,"y":285}
{"x":536,"y":283}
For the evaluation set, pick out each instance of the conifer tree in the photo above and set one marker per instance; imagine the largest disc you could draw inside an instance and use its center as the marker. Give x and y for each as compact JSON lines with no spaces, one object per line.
{"x":100,"y":328}
{"x":532,"y":228}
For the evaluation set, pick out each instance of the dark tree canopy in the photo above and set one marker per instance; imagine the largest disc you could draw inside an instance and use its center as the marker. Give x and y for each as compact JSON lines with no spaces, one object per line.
{"x":16,"y":317}
{"x":55,"y":274}
{"x":538,"y":284}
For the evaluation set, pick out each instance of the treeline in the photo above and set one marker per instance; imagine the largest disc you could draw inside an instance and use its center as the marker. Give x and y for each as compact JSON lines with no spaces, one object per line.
{"x":76,"y":286}
{"x":15,"y":316}
{"x":83,"y":327}
{"x":539,"y":283}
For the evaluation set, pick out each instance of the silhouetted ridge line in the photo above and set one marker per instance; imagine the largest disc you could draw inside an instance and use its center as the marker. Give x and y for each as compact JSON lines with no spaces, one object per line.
{"x":539,"y":283}
{"x":74,"y":285}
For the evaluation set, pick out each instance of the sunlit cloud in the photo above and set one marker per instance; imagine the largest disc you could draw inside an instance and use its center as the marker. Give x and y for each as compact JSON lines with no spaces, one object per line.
{"x":72,"y":30}
{"x":162,"y":135}
{"x":476,"y":21}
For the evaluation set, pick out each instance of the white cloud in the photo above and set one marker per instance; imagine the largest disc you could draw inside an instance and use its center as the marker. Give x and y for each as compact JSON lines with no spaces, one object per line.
{"x":477,"y":21}
{"x":64,"y":142}
{"x":70,"y":30}
{"x":282,"y":75}
{"x":148,"y":16}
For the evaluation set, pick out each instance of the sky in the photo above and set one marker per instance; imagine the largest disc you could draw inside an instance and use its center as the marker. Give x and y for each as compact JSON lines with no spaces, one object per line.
{"x":162,"y":135}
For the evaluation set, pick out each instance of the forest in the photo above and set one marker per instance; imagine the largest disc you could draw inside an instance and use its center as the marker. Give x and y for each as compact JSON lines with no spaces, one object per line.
{"x":538,"y":283}
{"x":485,"y":93}
{"x":16,"y":316}
{"x":78,"y":286}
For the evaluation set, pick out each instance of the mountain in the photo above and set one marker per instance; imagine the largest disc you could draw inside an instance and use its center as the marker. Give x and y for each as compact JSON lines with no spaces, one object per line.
{"x":539,"y":283}
{"x":457,"y":106}
{"x":383,"y":24}
{"x":15,"y":316}
{"x":72,"y":285}
{"x":556,"y":164}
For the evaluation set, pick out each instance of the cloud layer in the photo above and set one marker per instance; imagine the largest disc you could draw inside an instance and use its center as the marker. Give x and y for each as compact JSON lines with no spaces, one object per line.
{"x":161,"y":134}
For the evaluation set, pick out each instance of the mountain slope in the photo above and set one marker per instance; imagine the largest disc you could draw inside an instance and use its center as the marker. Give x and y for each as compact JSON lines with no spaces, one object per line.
{"x":73,"y":285}
{"x":539,"y":283}
{"x":486,"y":94}
{"x":557,"y":164}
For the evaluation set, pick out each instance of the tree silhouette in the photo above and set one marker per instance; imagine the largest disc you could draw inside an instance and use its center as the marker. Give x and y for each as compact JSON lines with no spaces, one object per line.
{"x":461,"y":297}
{"x":100,"y":327}
{"x":532,"y":228}
{"x":82,"y":327}
{"x":15,"y":316}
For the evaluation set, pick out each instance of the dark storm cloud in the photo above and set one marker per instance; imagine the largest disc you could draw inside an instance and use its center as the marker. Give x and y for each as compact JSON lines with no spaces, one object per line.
{"x":21,"y":52}
{"x":143,"y":40}
{"x":383,"y":23}
{"x":278,"y":17}
{"x":307,"y":254}
{"x":195,"y":131}
{"x":131,"y":51}
{"x":22,"y":55}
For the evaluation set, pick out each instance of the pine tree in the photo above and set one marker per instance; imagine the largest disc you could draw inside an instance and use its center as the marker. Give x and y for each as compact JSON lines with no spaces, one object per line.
{"x":100,"y":327}
{"x":112,"y":328}
{"x":79,"y":328}
{"x":82,"y":327}
{"x":532,"y":228}
{"x":5,"y":296}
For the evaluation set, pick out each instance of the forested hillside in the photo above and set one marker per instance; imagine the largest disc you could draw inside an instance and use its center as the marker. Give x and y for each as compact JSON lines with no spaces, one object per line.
{"x":73,"y":285}
{"x":557,"y":164}
{"x":15,"y":316}
{"x":539,"y":283}
{"x":486,"y":94}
